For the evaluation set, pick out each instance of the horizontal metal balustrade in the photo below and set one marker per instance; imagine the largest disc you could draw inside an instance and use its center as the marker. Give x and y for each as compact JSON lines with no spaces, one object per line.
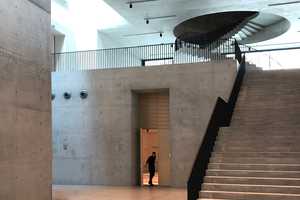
{"x":221,"y":49}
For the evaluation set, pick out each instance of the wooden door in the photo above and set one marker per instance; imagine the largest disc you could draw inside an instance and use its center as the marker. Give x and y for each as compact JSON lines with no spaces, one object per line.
{"x":141,"y":158}
{"x":164,"y":160}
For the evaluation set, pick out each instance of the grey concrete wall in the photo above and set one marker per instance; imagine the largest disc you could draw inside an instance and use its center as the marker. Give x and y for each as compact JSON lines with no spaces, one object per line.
{"x":25,"y":103}
{"x":101,"y":133}
{"x":135,"y":139}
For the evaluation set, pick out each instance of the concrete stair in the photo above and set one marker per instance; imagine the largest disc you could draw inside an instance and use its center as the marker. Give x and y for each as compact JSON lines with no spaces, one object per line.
{"x":250,"y":67}
{"x":195,"y":54}
{"x":258,"y":156}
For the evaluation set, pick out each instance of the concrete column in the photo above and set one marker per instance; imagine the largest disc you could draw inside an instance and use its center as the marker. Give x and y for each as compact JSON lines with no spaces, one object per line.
{"x":25,"y":102}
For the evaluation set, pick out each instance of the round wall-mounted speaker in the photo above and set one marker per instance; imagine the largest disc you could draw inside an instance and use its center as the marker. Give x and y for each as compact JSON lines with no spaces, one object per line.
{"x":83,"y":94}
{"x":53,"y":95}
{"x":67,"y":94}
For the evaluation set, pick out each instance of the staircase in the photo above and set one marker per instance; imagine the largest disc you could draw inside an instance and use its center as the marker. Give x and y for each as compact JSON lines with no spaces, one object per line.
{"x":251,"y":66}
{"x":258,"y":156}
{"x":248,"y":30}
{"x":194,"y":54}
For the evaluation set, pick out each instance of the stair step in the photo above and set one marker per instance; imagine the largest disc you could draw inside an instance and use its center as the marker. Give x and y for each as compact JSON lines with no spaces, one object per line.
{"x":255,"y":26}
{"x":241,"y":122}
{"x":244,"y":105}
{"x":255,"y":160}
{"x":247,"y":195}
{"x":257,"y":154}
{"x":269,"y":112}
{"x":268,"y":134}
{"x":265,"y":97}
{"x":274,"y":88}
{"x":212,"y":199}
{"x":257,"y":99}
{"x":262,"y":128}
{"x":252,"y":188}
{"x":258,"y":143}
{"x":253,"y":173}
{"x":252,"y":180}
{"x":224,"y":148}
{"x":239,"y":166}
{"x":268,"y":138}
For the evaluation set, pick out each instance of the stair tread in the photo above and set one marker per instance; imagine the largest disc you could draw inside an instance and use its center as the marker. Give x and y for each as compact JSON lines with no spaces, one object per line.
{"x":230,"y":192}
{"x":227,"y":170}
{"x":247,"y":177}
{"x":259,"y":154}
{"x":252,"y":185}
{"x":259,"y":164}
{"x":212,"y":199}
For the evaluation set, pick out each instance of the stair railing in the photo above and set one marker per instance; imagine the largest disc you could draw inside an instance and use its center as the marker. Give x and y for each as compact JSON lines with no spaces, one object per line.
{"x":214,"y":33}
{"x":221,"y":116}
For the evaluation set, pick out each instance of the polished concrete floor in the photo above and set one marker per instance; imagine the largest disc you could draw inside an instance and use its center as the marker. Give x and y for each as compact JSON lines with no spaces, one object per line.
{"x":146,"y":178}
{"x":115,"y":193}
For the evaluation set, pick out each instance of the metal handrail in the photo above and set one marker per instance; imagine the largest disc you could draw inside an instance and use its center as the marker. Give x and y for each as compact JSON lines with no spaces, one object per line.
{"x":137,"y":56}
{"x":250,"y":49}
{"x":220,"y":116}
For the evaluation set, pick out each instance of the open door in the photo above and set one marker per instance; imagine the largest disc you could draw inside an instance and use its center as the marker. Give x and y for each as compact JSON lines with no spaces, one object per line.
{"x":141,"y":157}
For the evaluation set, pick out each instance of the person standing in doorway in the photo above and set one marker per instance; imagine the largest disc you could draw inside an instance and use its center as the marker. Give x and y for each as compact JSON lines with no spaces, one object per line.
{"x":151,"y":165}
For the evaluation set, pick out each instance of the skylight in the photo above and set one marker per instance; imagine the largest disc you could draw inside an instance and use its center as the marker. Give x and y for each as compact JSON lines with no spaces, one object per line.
{"x":109,"y":18}
{"x":86,"y":14}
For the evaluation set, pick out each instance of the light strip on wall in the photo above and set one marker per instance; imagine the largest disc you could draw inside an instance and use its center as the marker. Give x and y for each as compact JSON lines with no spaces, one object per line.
{"x":280,"y":4}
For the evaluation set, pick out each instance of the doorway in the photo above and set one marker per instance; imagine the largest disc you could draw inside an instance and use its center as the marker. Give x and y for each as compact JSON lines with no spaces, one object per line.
{"x":149,"y":145}
{"x":154,"y":120}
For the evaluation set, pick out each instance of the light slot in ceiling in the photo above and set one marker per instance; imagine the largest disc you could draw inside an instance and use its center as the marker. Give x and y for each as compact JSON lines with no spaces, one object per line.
{"x":285,"y":3}
{"x":143,"y":34}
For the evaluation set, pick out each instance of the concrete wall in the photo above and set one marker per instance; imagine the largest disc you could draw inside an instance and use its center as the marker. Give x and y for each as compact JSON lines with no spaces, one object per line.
{"x":96,"y":140}
{"x":104,"y":42}
{"x":25,"y":103}
{"x":135,"y":139}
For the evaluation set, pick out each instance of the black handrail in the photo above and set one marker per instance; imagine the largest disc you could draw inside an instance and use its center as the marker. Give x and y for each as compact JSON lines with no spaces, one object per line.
{"x":238,"y":53}
{"x":221,"y":116}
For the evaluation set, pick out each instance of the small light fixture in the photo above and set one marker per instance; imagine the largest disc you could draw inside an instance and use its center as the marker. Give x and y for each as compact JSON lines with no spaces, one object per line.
{"x":130,"y":6}
{"x":171,"y":45}
{"x":160,"y":35}
{"x":147,"y":22}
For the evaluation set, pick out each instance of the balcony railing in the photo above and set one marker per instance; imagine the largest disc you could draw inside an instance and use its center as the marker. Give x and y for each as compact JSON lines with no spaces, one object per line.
{"x":143,"y":55}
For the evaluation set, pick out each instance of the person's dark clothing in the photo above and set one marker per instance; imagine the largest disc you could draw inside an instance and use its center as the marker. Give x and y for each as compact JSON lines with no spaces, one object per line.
{"x":151,"y":161}
{"x":151,"y":166}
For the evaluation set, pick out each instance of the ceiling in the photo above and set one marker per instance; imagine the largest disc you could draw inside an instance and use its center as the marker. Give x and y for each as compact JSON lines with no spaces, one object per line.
{"x":181,"y":10}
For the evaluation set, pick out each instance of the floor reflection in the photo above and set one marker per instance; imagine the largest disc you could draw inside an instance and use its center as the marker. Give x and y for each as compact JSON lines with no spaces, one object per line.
{"x":146,"y":178}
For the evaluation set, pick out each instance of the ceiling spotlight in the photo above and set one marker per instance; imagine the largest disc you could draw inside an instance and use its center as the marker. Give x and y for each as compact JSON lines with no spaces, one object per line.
{"x":130,"y":6}
{"x":160,"y":35}
{"x":147,"y":22}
